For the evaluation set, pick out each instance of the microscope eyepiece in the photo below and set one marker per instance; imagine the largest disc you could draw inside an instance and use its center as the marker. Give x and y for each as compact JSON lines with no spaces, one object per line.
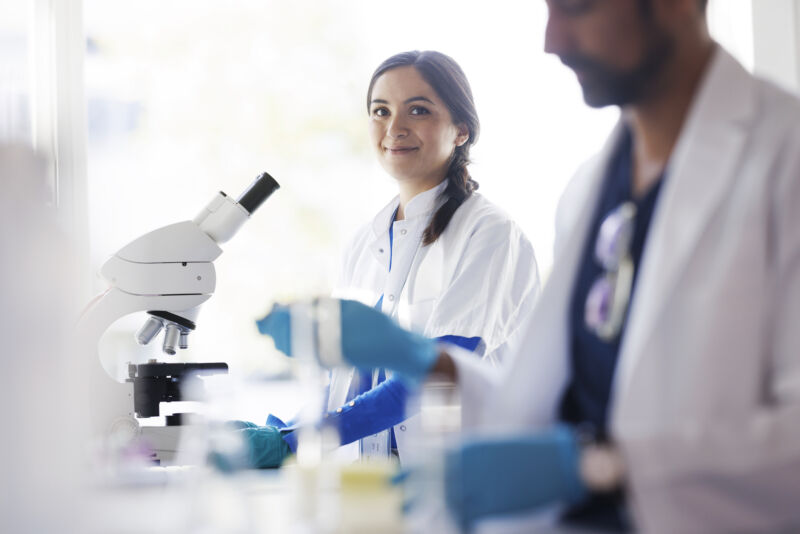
{"x":259,"y":191}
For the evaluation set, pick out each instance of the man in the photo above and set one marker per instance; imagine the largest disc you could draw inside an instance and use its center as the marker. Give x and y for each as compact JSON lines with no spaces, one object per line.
{"x":658,"y":385}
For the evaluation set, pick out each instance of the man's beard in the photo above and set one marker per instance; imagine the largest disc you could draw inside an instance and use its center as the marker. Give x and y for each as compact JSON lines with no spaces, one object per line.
{"x":603,"y":85}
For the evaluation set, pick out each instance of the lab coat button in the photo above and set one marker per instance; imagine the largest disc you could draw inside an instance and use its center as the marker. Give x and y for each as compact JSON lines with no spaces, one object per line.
{"x":402,"y":428}
{"x":380,"y":250}
{"x":391,"y":298}
{"x":403,"y":231}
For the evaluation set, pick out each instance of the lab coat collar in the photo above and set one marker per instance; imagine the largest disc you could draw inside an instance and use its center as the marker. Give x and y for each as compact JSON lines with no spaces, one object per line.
{"x":422,"y":204}
{"x":549,"y":367}
{"x":700,"y":173}
{"x":425,"y":202}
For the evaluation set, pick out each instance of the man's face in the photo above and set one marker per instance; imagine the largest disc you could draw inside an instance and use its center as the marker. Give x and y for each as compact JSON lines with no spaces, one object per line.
{"x":615,"y":47}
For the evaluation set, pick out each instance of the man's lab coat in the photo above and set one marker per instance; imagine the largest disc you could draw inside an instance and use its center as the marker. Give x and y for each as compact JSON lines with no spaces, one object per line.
{"x":706,"y":396}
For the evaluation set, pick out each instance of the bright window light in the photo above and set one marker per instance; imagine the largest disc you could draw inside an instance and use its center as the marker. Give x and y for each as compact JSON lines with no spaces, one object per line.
{"x":189,"y":97}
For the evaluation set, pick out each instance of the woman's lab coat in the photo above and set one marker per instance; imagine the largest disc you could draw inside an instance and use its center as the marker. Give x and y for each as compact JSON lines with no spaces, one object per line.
{"x":706,"y":396}
{"x":479,"y":279}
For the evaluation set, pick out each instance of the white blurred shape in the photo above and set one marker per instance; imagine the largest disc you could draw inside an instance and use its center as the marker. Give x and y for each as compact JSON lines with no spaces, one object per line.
{"x":39,"y":452}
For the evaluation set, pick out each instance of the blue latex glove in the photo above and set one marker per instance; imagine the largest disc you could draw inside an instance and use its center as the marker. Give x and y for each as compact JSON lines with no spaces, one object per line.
{"x":238,"y":425}
{"x":264,"y":446}
{"x":277,"y":324}
{"x":370,"y":340}
{"x":491,"y":477}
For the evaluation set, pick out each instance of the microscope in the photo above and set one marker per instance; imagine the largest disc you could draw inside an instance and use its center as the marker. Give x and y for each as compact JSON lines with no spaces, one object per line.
{"x":168,"y":273}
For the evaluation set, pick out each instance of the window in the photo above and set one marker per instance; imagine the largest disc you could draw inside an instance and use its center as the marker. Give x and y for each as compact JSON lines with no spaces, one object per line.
{"x":189,"y":97}
{"x":15,"y":116}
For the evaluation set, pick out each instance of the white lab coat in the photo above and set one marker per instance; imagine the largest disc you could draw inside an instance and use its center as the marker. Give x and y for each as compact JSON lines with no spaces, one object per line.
{"x":706,"y":397}
{"x":479,"y":279}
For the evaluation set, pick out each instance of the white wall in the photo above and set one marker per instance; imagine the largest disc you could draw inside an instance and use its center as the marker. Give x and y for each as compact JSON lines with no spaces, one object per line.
{"x":776,"y":47}
{"x":731,"y":24}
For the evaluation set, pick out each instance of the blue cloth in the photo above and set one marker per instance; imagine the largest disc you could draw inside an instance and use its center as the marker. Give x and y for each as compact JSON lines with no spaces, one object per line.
{"x":469,"y":343}
{"x":594,"y":361}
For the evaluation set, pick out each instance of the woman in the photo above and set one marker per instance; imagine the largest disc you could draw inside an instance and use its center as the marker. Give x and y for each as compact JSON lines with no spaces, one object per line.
{"x":439,"y":257}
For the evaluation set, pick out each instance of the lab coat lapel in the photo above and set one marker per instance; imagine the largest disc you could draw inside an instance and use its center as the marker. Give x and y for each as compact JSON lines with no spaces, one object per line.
{"x":534,"y":383}
{"x":380,"y":246}
{"x":700,"y":173}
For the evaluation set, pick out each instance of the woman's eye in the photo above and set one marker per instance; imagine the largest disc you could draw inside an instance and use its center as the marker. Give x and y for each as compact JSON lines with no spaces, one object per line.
{"x":419,"y":110}
{"x":380,"y":112}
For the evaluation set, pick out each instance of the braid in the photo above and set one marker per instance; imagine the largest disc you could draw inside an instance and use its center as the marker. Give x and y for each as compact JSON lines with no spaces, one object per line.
{"x":460,"y":186}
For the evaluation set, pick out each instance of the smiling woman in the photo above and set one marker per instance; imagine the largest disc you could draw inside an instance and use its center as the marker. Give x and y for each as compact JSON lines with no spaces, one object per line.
{"x":422,"y":110}
{"x":414,"y":136}
{"x":439,"y":258}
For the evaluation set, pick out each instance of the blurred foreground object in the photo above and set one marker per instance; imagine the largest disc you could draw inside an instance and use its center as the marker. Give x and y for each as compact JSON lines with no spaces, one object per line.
{"x":341,"y":332}
{"x":39,"y":471}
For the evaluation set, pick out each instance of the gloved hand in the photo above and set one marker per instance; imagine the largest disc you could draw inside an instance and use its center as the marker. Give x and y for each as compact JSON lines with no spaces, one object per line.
{"x":264,"y":446}
{"x":257,"y":447}
{"x":277,"y":324}
{"x":369,"y":340}
{"x":491,"y":477}
{"x":238,"y":425}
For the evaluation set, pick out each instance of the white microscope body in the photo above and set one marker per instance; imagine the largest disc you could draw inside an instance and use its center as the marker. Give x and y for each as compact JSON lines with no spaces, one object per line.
{"x":169,"y":273}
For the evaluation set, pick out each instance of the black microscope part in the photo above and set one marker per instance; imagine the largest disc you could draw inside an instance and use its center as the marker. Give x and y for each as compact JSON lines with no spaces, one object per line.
{"x":154,"y":383}
{"x":259,"y":191}
{"x":186,"y":323}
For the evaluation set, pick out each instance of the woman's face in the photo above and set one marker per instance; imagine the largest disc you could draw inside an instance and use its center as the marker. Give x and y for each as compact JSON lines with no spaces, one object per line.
{"x":411,"y":128}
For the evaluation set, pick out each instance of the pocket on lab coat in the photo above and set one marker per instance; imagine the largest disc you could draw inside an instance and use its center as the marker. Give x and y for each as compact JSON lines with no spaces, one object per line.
{"x":425,"y":282}
{"x":423,"y":289}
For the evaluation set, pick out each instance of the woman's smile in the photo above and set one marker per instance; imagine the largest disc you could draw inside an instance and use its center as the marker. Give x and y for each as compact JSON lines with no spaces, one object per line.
{"x":400,"y":150}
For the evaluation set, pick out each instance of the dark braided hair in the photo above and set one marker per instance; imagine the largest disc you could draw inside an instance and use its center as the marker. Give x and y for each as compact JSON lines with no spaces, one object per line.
{"x":444,"y":75}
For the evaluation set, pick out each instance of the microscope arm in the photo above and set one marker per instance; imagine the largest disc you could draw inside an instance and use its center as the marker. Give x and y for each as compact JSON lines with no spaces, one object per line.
{"x":115,"y":304}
